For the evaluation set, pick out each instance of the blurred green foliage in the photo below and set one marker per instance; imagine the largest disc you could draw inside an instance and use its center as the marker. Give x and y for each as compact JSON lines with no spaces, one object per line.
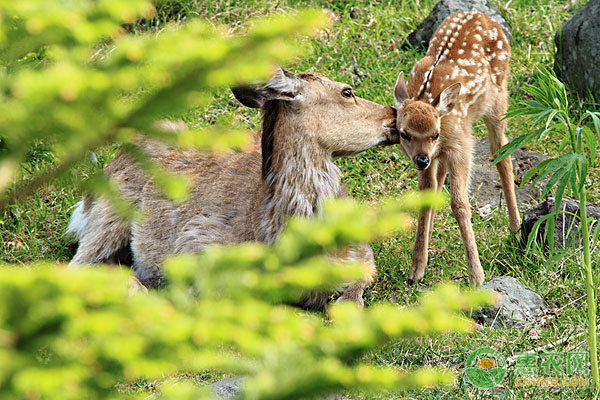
{"x":73,"y":334}
{"x":73,"y":80}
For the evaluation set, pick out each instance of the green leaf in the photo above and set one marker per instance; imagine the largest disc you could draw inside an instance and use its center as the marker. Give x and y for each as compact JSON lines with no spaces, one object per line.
{"x":516,"y":144}
{"x":535,"y":170}
{"x":531,"y":238}
{"x":583,"y":170}
{"x":596,"y":120}
{"x":595,"y":223}
{"x":549,"y":232}
{"x":551,"y":167}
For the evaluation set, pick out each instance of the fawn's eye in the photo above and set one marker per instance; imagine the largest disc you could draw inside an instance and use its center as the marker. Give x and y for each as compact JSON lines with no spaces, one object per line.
{"x":404,"y":136}
{"x":347,"y":93}
{"x":437,"y":136}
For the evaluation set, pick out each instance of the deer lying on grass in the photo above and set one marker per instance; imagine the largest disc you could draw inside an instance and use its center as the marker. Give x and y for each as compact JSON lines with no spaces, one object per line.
{"x":461,"y":78}
{"x":245,"y":196}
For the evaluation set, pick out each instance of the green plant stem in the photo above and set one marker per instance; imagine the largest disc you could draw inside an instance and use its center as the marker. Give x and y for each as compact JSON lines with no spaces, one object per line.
{"x":589,"y":283}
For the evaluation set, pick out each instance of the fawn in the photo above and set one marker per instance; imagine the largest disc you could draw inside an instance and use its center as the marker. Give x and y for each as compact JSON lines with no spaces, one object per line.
{"x":248,"y":196}
{"x":461,"y":78}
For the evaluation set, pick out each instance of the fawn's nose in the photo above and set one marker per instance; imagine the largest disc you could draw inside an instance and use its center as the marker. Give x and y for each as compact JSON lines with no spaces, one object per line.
{"x":422,"y":161}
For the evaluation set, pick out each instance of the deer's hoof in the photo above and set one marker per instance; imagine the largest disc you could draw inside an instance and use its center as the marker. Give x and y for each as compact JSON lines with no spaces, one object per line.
{"x":412,"y":282}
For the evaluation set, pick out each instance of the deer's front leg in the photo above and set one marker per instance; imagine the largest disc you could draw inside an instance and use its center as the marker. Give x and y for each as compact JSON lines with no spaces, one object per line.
{"x":461,"y":209}
{"x":354,"y":291}
{"x":424,"y":225}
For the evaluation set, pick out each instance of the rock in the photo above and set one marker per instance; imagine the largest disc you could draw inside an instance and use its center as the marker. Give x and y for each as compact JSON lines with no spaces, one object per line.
{"x":230,"y":389}
{"x":565,"y":226}
{"x":577,"y":61}
{"x":486,"y":187}
{"x":355,"y":12}
{"x":227,"y":388}
{"x":518,"y":304}
{"x":444,"y":8}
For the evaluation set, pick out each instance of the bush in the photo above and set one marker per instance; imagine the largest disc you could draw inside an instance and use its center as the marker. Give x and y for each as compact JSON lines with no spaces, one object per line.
{"x":72,"y":334}
{"x":74,"y":81}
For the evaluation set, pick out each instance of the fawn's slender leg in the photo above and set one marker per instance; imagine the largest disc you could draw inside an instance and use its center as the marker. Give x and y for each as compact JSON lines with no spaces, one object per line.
{"x":496,"y":126}
{"x":439,"y":184}
{"x":419,"y":257}
{"x":459,"y":202}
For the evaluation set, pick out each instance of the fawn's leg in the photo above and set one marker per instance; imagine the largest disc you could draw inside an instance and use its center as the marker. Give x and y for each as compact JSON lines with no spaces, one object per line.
{"x":439,"y":184}
{"x":459,"y":201}
{"x":496,"y":126}
{"x":419,"y":257}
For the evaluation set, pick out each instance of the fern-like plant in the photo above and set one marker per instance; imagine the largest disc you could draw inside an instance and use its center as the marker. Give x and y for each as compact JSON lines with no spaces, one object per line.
{"x":549,"y":113}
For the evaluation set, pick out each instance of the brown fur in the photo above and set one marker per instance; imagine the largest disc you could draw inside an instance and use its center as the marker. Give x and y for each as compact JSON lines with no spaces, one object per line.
{"x":419,"y":118}
{"x":288,"y":170}
{"x":461,"y":78}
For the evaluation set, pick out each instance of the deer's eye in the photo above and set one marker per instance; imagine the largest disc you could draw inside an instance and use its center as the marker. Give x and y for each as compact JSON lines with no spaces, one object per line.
{"x":404,"y":136}
{"x":437,"y":136}
{"x":347,"y":93}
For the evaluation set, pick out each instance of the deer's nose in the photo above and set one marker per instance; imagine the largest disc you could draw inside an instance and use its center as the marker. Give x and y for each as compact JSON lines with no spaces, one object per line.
{"x":422,"y":161}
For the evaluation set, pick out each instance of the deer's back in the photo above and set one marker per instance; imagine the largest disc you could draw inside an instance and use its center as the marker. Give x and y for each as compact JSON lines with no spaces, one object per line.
{"x":219,"y":208}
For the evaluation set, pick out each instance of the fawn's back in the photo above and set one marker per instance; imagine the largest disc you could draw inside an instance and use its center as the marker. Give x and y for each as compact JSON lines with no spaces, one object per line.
{"x":469,"y":48}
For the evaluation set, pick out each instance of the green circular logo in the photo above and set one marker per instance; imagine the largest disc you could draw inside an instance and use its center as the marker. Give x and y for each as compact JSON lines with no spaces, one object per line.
{"x":485,"y":368}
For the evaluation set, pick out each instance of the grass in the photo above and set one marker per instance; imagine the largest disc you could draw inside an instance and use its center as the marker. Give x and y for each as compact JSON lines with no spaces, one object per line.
{"x":34,"y":229}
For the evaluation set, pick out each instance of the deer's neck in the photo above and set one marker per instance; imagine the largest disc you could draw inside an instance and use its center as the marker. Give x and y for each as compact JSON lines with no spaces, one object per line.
{"x":297,"y":174}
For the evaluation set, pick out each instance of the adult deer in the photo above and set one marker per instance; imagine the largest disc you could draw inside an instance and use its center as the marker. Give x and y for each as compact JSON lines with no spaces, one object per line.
{"x":289,"y":170}
{"x":461,"y":78}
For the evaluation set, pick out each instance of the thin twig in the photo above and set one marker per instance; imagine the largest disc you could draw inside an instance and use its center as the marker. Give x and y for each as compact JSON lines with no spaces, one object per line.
{"x":512,"y":359}
{"x":357,"y":70}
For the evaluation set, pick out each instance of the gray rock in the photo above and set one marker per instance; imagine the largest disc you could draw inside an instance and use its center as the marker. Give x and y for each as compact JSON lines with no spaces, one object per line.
{"x":486,"y":187}
{"x":227,"y":388}
{"x":577,"y":61}
{"x":444,"y":8}
{"x":566,"y":224}
{"x":230,"y":388}
{"x":518,"y":304}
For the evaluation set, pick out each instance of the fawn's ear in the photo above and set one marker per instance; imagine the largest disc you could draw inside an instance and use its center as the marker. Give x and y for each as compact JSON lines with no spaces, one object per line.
{"x":400,"y":92}
{"x":446,"y":100}
{"x":282,"y":86}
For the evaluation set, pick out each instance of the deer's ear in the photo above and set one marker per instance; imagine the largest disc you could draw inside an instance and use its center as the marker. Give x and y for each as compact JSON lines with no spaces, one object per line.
{"x":400,"y":92}
{"x":248,"y":96}
{"x":446,"y":100}
{"x":282,"y":86}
